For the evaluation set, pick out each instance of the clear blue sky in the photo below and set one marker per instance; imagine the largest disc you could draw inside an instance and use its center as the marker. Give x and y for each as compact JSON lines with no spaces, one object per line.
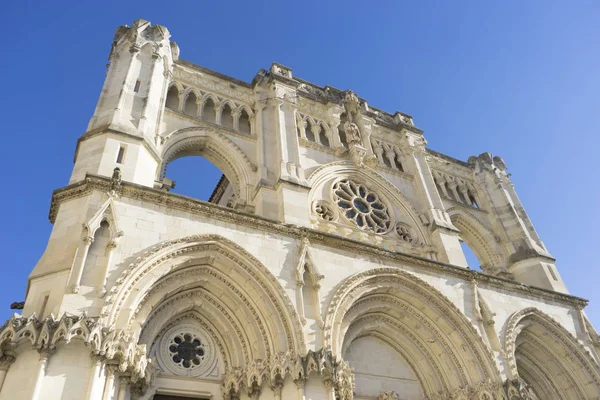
{"x":520,"y":79}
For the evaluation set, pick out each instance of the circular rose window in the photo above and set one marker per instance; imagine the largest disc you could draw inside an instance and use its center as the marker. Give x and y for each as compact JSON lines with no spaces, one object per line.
{"x":187,"y":350}
{"x":361,"y":206}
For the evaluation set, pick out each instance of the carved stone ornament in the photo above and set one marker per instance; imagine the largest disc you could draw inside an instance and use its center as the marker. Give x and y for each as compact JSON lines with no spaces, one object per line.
{"x":325,"y":210}
{"x":352,"y":132}
{"x":406,"y":233}
{"x":388,"y":396}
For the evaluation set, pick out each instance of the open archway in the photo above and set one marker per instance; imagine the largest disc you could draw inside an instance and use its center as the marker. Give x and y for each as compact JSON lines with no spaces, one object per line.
{"x":217,"y":149}
{"x":548,"y":359}
{"x":434,"y":349}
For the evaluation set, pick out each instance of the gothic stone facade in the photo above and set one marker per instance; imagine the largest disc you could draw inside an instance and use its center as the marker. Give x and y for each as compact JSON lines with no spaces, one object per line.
{"x":327,"y":264}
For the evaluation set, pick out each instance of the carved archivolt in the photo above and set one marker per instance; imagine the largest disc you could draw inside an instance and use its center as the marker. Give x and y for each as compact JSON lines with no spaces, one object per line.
{"x":204,"y":264}
{"x":217,"y":148}
{"x":431,"y":330}
{"x":482,"y":241}
{"x":537,"y":345}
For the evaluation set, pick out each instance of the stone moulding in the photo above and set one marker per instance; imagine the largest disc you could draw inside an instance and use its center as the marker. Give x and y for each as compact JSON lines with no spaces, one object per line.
{"x":197,"y":207}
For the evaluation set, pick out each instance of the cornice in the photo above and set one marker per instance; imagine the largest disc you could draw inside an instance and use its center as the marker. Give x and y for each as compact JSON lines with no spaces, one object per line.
{"x":197,"y":207}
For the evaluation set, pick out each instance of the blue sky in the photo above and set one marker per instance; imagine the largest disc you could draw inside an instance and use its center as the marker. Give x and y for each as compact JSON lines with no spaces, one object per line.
{"x":518,"y":79}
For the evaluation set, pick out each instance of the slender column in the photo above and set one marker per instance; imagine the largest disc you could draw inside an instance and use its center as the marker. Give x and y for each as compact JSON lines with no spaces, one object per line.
{"x":330,"y":389}
{"x":300,"y":385}
{"x":236,"y":119}
{"x":453,"y":185}
{"x":218,"y":113}
{"x":109,"y":385}
{"x":78,"y":270}
{"x":124,"y":382}
{"x":277,"y":390}
{"x":390,"y":156}
{"x":316,"y":128}
{"x":5,"y":363}
{"x":95,"y":381}
{"x":41,"y":373}
{"x":110,"y":247}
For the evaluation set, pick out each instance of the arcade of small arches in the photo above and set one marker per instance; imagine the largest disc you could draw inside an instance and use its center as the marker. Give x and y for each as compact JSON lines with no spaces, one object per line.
{"x":209,"y":108}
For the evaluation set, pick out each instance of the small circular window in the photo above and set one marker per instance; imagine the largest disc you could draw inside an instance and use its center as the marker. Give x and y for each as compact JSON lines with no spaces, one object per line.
{"x":187,"y":350}
{"x":361,"y":206}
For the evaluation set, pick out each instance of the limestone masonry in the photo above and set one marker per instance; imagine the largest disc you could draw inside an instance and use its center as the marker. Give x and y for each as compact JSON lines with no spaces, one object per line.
{"x":328,"y":263}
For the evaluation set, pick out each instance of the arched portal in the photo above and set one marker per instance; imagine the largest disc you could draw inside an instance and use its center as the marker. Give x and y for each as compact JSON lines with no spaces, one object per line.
{"x":436,"y":349}
{"x":552,"y":363}
{"x":204,"y":307}
{"x":216,"y":148}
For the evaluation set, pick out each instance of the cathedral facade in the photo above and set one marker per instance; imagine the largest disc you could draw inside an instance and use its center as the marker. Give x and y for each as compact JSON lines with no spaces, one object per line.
{"x":326,"y":265}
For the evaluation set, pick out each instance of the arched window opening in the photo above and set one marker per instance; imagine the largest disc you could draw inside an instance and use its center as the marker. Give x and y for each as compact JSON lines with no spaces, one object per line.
{"x":244,"y":123}
{"x":309,"y":295}
{"x":208,"y":111}
{"x":191,"y":108}
{"x":310,"y":135}
{"x":341,"y":132}
{"x":386,"y":160}
{"x":471,"y":200}
{"x":194,"y":176}
{"x":323,"y":136}
{"x":472,"y":260}
{"x":96,"y":257}
{"x":227,"y":117}
{"x":398,"y":161}
{"x":173,"y":98}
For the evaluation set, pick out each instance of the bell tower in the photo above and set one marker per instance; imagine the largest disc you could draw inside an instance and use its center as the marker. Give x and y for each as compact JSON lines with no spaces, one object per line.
{"x":124,"y":128}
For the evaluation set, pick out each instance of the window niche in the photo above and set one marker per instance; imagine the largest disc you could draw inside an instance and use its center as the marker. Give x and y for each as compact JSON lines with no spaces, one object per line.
{"x":308,"y":285}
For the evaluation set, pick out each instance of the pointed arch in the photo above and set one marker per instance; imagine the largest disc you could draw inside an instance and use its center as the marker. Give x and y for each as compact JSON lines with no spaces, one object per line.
{"x":479,"y":238}
{"x":540,"y":350}
{"x":107,"y":213}
{"x":216,"y":148}
{"x":327,"y":174}
{"x":223,"y":277}
{"x":173,"y":97}
{"x":407,"y":312}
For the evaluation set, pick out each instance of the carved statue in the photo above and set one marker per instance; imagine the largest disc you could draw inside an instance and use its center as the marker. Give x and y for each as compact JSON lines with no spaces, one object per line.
{"x":352,"y":132}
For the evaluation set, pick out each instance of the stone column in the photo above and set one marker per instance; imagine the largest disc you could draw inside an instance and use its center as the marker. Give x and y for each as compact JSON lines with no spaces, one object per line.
{"x":5,"y":363}
{"x":41,"y":373}
{"x":330,"y":389}
{"x":124,"y":382}
{"x":236,"y":119}
{"x":109,"y":384}
{"x":78,"y":269}
{"x":277,"y":390}
{"x":109,"y":248}
{"x":300,"y":386}
{"x":95,"y":381}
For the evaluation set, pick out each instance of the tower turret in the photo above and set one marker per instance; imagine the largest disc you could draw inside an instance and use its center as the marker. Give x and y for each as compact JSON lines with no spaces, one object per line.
{"x":122,"y":131}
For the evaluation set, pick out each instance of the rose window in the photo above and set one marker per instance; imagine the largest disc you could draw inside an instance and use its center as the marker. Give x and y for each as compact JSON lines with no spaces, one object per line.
{"x":361,"y":206}
{"x":187,"y":350}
